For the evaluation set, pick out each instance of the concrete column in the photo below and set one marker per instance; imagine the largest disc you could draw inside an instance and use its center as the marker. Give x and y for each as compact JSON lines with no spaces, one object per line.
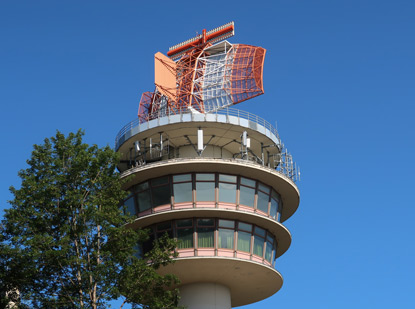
{"x":205,"y":296}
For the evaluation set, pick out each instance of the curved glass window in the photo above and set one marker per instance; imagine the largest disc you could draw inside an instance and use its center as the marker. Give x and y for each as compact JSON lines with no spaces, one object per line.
{"x":130,"y":205}
{"x":244,"y":241}
{"x":275,"y":200}
{"x":160,"y":188}
{"x":269,"y":248}
{"x":248,"y":182}
{"x":263,"y":187}
{"x":182,"y":178}
{"x":143,"y":197}
{"x":247,"y":192}
{"x":227,"y":178}
{"x":142,"y":186}
{"x":205,"y":177}
{"x":244,"y":237}
{"x":226,"y":234}
{"x":227,"y":192}
{"x":205,"y":233}
{"x":163,"y":228}
{"x":247,"y":196}
{"x":205,"y":191}
{"x":262,"y":203}
{"x":258,"y":245}
{"x":230,"y":234}
{"x":182,"y":188}
{"x":204,"y":187}
{"x":225,"y":238}
{"x":274,"y":252}
{"x":227,"y":224}
{"x":273,"y":209}
{"x":259,"y":239}
{"x":148,"y":244}
{"x":184,"y":230}
{"x":182,"y":192}
{"x":185,"y":237}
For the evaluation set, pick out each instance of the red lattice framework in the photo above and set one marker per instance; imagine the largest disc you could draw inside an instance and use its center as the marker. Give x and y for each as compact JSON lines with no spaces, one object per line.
{"x":205,"y":77}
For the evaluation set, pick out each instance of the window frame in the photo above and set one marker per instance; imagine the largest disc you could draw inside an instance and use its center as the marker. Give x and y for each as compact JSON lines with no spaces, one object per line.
{"x":192,"y":227}
{"x":213,"y":227}
{"x":235,"y":183}
{"x":258,"y":189}
{"x":214,"y":181}
{"x":192,"y":185}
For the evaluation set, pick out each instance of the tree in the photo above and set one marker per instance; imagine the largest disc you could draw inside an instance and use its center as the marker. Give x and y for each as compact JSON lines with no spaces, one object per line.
{"x":65,"y":242}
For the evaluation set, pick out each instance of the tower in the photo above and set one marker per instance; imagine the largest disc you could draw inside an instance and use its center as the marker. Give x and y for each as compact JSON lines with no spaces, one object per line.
{"x":217,"y":178}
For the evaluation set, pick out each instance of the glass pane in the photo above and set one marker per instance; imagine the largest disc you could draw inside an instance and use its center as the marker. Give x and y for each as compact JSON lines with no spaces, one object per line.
{"x":245,"y":226}
{"x":227,"y":178}
{"x":262,"y":201}
{"x":244,"y":241}
{"x":268,"y":252}
{"x":226,"y":239}
{"x":148,"y":244}
{"x":227,"y":223}
{"x":205,"y":237}
{"x":205,"y":177}
{"x":161,"y":195}
{"x":205,"y":222}
{"x":184,"y":223}
{"x":182,"y":192}
{"x":279,"y":212}
{"x":129,"y":205}
{"x":183,"y":177}
{"x":160,"y":181}
{"x":138,"y":251}
{"x":205,"y":191}
{"x":248,"y":182}
{"x":258,"y":245}
{"x":263,"y":187}
{"x":274,"y":253}
{"x":275,"y":195}
{"x":227,"y":193}
{"x":163,"y":233}
{"x":142,"y":186}
{"x":185,"y":237}
{"x":274,"y":207}
{"x":143,"y":199}
{"x":164,"y":226}
{"x":259,"y":231}
{"x":247,"y":196}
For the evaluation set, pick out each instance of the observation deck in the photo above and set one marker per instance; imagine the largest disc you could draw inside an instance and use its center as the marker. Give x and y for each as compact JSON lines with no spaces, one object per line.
{"x":220,"y":182}
{"x":266,"y":149}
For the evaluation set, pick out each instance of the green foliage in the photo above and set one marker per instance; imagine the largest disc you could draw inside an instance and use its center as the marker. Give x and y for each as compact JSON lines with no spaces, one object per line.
{"x":64,"y":241}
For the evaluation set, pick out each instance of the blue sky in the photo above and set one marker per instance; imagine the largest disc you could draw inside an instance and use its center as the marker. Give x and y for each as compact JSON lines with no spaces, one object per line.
{"x":339,"y":80}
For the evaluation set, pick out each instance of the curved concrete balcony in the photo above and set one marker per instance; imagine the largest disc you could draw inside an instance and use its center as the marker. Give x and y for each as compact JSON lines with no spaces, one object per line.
{"x":280,"y":232}
{"x":249,"y":281}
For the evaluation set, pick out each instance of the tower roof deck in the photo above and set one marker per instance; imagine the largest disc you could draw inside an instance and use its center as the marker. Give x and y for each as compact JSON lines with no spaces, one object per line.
{"x":227,"y":115}
{"x":227,"y":133}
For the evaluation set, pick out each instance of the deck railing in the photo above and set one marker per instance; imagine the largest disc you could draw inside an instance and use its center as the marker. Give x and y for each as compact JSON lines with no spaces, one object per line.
{"x":226,"y":111}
